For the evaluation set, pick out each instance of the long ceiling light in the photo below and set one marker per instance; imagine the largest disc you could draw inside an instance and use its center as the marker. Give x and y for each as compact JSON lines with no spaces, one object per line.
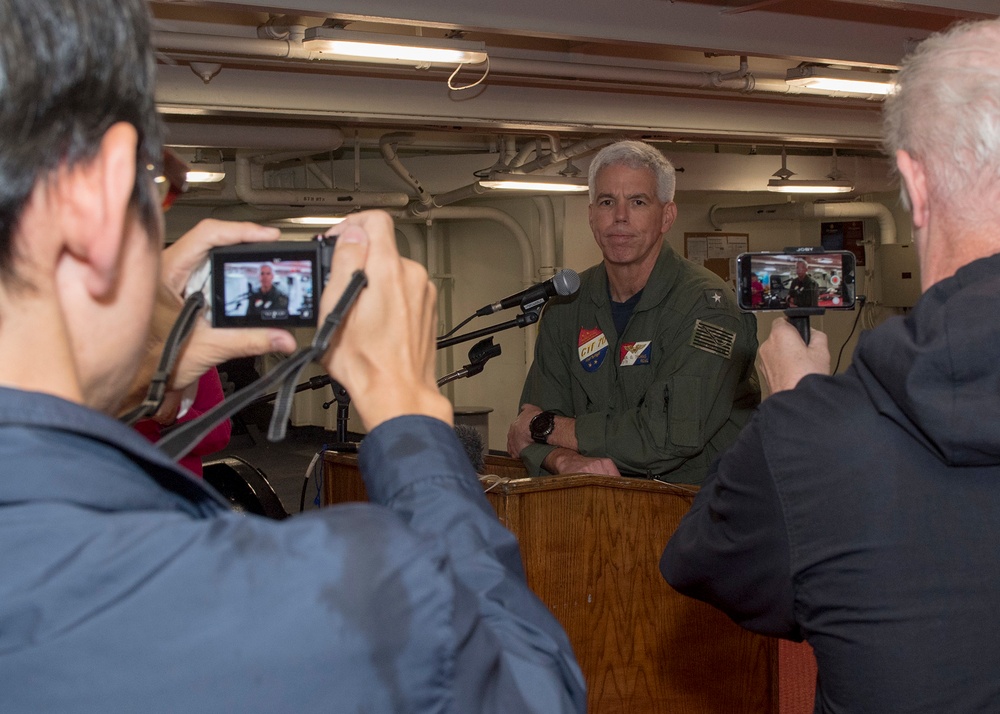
{"x":337,"y":43}
{"x":833,"y":183}
{"x":315,"y":220}
{"x":850,"y":81}
{"x":529,"y":182}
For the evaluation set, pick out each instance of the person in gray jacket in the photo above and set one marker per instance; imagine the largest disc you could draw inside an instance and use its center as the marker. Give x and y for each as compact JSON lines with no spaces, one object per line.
{"x":129,"y":586}
{"x":649,"y":370}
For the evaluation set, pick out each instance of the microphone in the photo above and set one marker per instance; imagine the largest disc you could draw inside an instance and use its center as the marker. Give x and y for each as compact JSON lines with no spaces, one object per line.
{"x":472,"y":443}
{"x":565,"y":282}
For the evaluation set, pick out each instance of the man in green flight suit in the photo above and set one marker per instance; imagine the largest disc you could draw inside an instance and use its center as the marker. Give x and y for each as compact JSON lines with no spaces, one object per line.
{"x":649,"y":370}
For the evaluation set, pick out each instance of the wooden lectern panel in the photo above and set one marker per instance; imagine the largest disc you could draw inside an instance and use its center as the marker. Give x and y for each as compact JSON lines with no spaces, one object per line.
{"x":591,"y":547}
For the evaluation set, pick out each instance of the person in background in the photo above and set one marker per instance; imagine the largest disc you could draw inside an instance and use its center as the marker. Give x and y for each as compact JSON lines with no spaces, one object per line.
{"x":756,"y":291}
{"x":267,"y":301}
{"x":861,"y":512}
{"x":803,"y":291}
{"x":129,"y":586}
{"x":209,"y":393}
{"x":649,"y":370}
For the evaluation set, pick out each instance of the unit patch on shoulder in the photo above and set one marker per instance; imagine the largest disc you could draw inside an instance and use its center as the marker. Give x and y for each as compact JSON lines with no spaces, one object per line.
{"x":634,"y":353}
{"x":712,"y":338}
{"x":593,"y":348}
{"x":714,"y":298}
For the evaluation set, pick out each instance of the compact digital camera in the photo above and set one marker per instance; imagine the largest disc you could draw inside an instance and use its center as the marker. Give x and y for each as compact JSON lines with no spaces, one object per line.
{"x":265,"y":284}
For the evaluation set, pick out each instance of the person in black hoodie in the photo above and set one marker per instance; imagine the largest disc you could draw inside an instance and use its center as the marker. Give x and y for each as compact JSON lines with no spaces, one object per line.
{"x":861,"y":512}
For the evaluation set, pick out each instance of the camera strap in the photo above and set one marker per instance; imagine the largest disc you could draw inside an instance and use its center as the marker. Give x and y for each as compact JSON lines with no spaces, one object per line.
{"x":179,"y":333}
{"x":182,"y":439}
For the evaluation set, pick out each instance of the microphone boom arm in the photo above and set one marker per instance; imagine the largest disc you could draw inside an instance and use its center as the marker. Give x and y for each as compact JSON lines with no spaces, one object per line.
{"x":523,"y":320}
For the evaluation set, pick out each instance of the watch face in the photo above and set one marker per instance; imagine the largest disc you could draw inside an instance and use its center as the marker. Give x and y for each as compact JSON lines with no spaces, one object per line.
{"x":541,"y":425}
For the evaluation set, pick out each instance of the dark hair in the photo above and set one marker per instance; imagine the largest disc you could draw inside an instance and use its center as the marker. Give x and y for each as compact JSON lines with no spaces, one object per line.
{"x":69,"y":70}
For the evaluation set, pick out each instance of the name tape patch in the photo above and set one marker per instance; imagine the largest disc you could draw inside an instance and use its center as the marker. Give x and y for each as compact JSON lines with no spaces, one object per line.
{"x":712,"y":338}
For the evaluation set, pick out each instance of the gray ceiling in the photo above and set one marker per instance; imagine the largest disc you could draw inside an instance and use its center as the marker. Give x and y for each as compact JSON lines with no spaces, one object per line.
{"x":569,"y":70}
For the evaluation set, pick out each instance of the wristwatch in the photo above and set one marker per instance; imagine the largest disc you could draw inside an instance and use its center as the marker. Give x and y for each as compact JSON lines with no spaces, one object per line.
{"x":541,"y":425}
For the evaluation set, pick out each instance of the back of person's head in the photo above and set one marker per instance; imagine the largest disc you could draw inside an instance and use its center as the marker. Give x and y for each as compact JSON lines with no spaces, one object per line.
{"x":946,"y":114}
{"x":69,"y":70}
{"x":635,"y":155}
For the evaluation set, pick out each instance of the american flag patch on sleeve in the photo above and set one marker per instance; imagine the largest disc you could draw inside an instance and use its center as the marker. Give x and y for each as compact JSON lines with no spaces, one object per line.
{"x":712,"y":338}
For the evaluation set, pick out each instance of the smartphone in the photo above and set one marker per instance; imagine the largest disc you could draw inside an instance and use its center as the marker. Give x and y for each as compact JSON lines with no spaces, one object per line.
{"x":268,"y":284}
{"x":780,"y":280}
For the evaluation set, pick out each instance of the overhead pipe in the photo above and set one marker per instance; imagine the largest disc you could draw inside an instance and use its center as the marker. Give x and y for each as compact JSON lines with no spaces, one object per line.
{"x":471,"y":213}
{"x":387,"y":145}
{"x":546,"y":237}
{"x":581,"y":147}
{"x":324,"y":199}
{"x":721,"y":215}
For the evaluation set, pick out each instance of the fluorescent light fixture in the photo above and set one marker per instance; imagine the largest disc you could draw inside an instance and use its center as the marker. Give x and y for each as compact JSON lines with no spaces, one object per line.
{"x":337,"y":43}
{"x":205,"y":173}
{"x":206,"y":167}
{"x":784,"y":183}
{"x":315,"y":220}
{"x":529,"y":182}
{"x":851,"y":81}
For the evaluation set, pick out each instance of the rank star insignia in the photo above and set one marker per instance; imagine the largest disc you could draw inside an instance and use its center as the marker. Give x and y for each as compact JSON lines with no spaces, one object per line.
{"x":714,"y":298}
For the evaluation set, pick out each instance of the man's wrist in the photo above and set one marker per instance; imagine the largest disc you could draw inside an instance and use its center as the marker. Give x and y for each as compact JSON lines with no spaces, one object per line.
{"x":541,"y":426}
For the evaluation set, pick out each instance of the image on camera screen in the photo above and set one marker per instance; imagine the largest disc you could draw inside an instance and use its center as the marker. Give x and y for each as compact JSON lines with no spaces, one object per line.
{"x":259,"y":292}
{"x":812,"y":280}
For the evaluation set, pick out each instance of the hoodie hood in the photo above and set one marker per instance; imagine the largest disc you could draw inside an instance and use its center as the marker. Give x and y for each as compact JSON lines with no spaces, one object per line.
{"x":937,"y":371}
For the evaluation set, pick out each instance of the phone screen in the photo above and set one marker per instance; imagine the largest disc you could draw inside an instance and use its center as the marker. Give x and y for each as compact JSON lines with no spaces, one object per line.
{"x":780,"y":280}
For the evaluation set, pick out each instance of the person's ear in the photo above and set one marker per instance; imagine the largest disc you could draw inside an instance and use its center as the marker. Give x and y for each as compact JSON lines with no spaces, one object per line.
{"x":915,"y":182}
{"x":669,"y":216}
{"x":95,"y":209}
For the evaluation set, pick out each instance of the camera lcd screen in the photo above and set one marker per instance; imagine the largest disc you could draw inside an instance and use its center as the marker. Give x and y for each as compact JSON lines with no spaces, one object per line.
{"x":264,"y":288}
{"x":778,"y":281}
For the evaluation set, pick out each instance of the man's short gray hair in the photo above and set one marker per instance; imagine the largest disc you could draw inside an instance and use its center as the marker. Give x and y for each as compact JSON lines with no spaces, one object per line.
{"x":635,"y":155}
{"x":945,"y":112}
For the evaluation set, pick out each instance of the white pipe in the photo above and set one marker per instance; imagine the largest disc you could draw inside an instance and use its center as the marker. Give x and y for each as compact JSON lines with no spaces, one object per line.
{"x":581,"y":147}
{"x":387,"y":145}
{"x":322,"y":200}
{"x":416,"y":240}
{"x":470,"y":213}
{"x":546,"y":237}
{"x":721,"y":215}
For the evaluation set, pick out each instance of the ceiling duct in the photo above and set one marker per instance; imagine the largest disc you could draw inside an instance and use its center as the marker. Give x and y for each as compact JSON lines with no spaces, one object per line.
{"x":320,"y":201}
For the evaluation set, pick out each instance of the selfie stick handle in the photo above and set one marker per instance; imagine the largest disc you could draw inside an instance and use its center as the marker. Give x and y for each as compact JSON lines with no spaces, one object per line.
{"x":799,"y":317}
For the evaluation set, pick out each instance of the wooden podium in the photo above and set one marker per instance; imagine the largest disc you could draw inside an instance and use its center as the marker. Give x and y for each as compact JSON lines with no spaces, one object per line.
{"x":591,"y":547}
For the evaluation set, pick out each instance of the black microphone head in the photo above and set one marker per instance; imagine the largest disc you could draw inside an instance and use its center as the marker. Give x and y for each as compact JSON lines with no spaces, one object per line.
{"x":472,"y":442}
{"x":566,"y":282}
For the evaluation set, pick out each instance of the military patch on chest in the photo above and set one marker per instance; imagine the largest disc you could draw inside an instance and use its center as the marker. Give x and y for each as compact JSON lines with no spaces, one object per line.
{"x":713,"y":297}
{"x":712,"y":338}
{"x":635,"y":353}
{"x":593,"y":348}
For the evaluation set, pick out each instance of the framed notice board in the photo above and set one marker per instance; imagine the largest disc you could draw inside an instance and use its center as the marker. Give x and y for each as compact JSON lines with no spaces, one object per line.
{"x":717,"y":252}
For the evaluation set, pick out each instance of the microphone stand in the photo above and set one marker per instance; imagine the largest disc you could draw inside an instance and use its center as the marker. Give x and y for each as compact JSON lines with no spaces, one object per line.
{"x":480,"y":353}
{"x":529,"y":317}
